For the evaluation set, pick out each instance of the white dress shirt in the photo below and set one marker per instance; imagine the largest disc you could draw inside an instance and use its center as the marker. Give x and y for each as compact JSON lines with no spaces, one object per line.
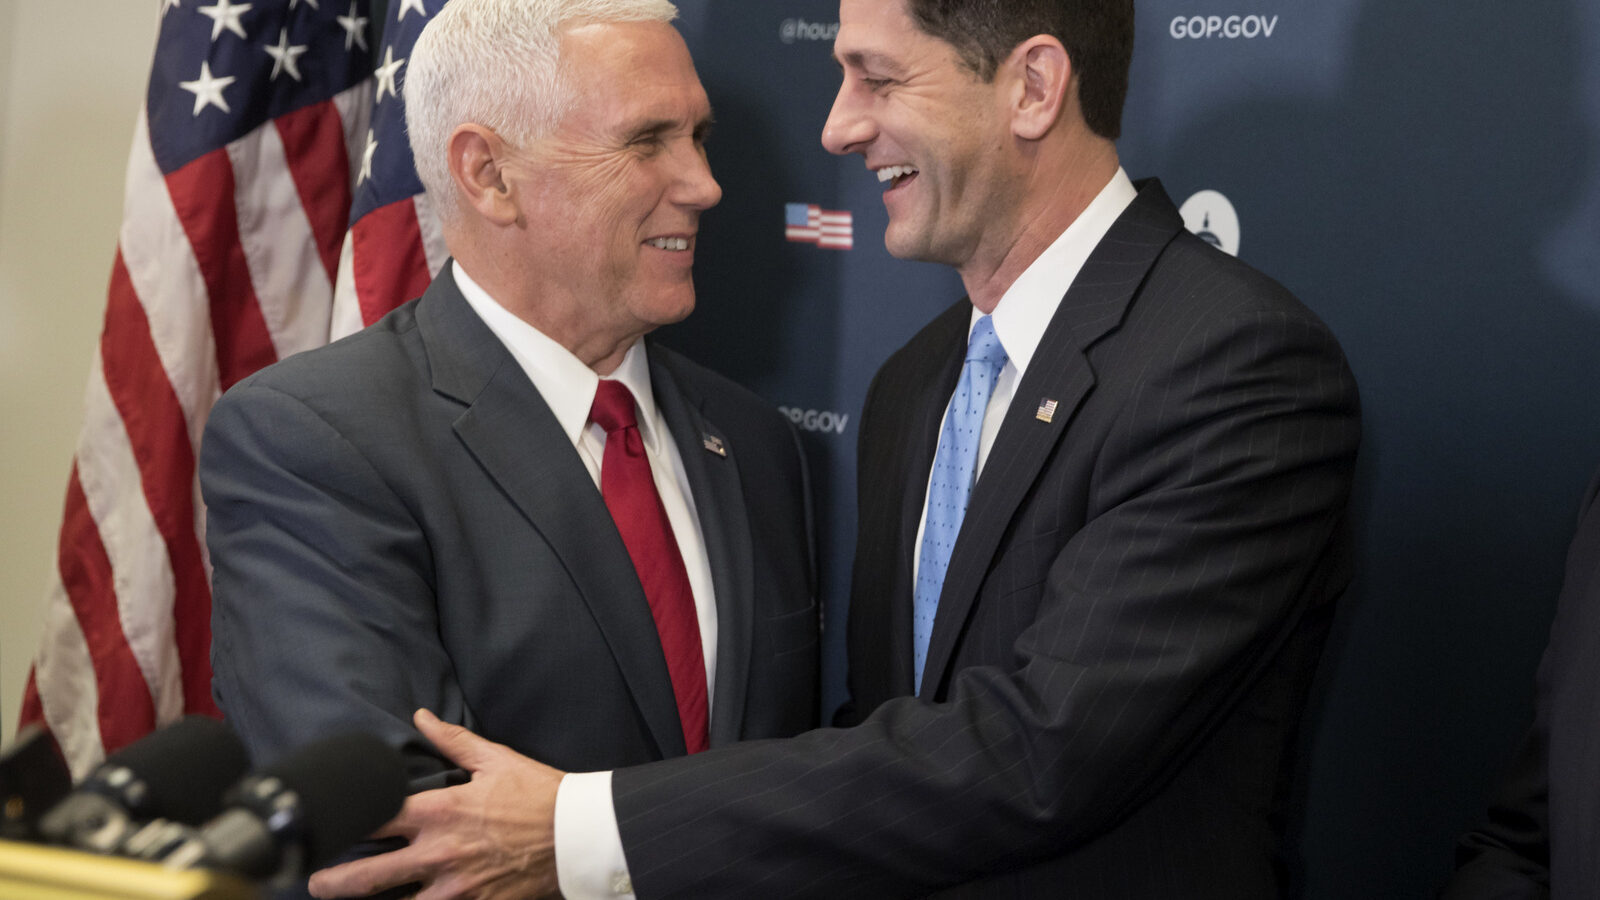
{"x":585,"y":822}
{"x":1027,"y":307}
{"x":588,"y":864}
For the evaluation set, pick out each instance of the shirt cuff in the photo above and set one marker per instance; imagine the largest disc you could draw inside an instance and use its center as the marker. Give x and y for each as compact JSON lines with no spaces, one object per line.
{"x":589,"y":860}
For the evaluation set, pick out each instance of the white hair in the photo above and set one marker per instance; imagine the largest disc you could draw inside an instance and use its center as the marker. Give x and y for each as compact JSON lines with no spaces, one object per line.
{"x":496,"y":63}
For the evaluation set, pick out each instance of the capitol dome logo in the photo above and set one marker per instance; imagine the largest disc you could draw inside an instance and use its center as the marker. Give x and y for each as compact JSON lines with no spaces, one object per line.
{"x":1211,"y":217}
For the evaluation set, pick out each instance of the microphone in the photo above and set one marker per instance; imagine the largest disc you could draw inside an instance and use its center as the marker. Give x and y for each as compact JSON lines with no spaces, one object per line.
{"x":33,"y":778}
{"x":293,"y":816}
{"x":177,"y":773}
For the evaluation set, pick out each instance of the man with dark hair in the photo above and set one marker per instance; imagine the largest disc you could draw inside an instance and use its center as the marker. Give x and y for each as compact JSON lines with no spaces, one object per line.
{"x":1098,"y":37}
{"x":1101,"y":534}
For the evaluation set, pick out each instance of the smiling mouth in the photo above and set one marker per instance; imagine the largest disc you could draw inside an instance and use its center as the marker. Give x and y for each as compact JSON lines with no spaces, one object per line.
{"x":896,"y":174}
{"x":669,"y":243}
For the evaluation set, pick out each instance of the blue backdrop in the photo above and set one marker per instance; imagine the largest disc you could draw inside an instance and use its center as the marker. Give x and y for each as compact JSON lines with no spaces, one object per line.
{"x":1424,"y":176}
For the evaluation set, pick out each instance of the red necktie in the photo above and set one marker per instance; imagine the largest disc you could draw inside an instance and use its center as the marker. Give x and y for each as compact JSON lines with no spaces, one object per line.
{"x":630,"y":495}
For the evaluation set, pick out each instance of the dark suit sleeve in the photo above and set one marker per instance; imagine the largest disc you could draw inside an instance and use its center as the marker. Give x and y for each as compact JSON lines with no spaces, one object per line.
{"x":1221,"y":487}
{"x":1541,"y":834}
{"x":323,"y":614}
{"x":1508,"y":856}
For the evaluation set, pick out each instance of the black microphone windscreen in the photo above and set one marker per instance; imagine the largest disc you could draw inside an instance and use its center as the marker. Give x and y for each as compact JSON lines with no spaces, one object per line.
{"x":347,"y":786}
{"x":185,"y":769}
{"x":33,"y":778}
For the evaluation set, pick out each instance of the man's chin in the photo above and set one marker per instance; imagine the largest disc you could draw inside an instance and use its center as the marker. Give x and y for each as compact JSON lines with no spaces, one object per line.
{"x":669,"y":309}
{"x":908,"y":243}
{"x":895,"y":242}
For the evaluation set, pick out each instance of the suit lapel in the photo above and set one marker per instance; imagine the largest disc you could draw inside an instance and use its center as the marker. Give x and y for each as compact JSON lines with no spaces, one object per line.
{"x":512,"y":433}
{"x":1093,"y":305}
{"x":923,"y":416}
{"x":719,"y":505}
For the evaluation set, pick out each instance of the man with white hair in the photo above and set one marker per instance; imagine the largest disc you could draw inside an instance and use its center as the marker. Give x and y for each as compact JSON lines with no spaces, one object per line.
{"x":500,"y":502}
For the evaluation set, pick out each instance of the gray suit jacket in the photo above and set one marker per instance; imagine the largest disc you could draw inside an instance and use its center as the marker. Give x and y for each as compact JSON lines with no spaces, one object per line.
{"x":397,"y":521}
{"x":1133,"y":609}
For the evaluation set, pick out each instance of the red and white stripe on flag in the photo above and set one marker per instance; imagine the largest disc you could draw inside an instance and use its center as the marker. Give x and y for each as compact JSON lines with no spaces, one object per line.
{"x":389,"y":256}
{"x":395,"y":245}
{"x":224,"y":264}
{"x":834,"y":231}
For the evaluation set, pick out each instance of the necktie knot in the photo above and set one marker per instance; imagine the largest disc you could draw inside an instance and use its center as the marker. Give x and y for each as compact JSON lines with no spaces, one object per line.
{"x":613,"y":406}
{"x":984,"y":345}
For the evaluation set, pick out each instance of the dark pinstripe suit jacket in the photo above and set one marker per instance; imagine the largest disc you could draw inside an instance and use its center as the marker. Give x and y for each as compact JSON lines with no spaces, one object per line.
{"x":1133,"y":610}
{"x":1542,"y":837}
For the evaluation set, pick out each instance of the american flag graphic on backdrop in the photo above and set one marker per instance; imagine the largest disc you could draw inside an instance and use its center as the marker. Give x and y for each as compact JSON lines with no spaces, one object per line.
{"x":265,"y":127}
{"x":808,"y":223}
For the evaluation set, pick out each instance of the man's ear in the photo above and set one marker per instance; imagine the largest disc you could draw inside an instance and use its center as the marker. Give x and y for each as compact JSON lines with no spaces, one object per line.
{"x":477,"y":158}
{"x":1043,"y":78}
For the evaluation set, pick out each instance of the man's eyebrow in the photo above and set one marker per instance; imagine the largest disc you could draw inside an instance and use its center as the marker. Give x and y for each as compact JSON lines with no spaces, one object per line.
{"x":866,"y":59}
{"x":654,"y":127}
{"x":648,"y":128}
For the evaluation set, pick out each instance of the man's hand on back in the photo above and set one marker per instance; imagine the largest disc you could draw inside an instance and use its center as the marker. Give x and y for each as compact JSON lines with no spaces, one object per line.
{"x":489,"y":838}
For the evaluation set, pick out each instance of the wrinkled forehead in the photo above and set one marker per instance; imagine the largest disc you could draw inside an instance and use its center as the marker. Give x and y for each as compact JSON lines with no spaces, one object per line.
{"x":633,"y":71}
{"x":619,"y":57}
{"x":881,"y":35}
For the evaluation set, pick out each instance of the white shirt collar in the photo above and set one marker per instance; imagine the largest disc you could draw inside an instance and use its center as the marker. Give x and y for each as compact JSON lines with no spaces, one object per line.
{"x":1028,"y":305}
{"x":565,"y":383}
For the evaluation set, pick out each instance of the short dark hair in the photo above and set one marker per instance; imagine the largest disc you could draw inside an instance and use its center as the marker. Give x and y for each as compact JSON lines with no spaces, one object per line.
{"x":1098,"y":35}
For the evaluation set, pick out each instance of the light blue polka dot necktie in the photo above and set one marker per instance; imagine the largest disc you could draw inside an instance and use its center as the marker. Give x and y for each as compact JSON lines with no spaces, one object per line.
{"x":954,"y":467}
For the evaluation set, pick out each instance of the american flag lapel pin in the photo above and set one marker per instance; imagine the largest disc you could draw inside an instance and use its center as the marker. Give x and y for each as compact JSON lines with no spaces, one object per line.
{"x":1047,"y":410}
{"x":714,"y":444}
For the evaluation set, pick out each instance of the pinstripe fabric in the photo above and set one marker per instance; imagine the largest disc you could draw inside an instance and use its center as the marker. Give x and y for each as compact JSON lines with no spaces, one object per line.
{"x":1132,"y":613}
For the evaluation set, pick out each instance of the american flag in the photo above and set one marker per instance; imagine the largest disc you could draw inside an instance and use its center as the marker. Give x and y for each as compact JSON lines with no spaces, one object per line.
{"x":237,"y":205}
{"x":811,"y":224}
{"x":394,"y":247}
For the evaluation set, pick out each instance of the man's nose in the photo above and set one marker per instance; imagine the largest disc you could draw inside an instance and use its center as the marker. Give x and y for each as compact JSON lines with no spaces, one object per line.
{"x":696,"y":186}
{"x":847,"y":129}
